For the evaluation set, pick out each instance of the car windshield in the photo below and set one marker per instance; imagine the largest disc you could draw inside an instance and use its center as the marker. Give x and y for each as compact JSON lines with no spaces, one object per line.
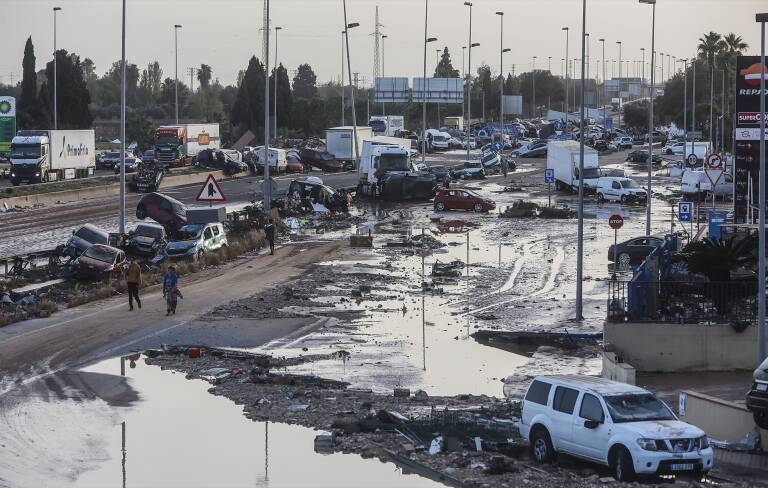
{"x":591,"y":173}
{"x":147,"y":231}
{"x":393,"y":162}
{"x":326,"y":156}
{"x":25,"y":151}
{"x":100,"y":254}
{"x":378,"y":125}
{"x":167,"y":141}
{"x":629,"y":184}
{"x":189,"y":232}
{"x":637,"y":408}
{"x":90,"y":236}
{"x":439,"y":138}
{"x":112,"y":155}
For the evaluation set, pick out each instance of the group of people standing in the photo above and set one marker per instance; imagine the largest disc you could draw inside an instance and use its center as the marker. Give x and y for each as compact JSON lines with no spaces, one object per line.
{"x":171,"y":291}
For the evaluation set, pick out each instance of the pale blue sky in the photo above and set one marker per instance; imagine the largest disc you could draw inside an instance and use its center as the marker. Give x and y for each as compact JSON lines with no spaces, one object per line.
{"x":224,"y":33}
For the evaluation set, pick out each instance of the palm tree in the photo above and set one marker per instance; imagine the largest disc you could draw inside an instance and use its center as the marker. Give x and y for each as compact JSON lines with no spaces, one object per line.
{"x":711,"y":46}
{"x":734,"y":46}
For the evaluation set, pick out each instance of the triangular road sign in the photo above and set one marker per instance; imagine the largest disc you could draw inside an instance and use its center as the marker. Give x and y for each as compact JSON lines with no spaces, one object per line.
{"x":211,"y":191}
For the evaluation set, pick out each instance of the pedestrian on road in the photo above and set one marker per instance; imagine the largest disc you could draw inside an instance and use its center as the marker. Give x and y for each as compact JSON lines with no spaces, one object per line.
{"x":135,"y":280}
{"x":269,"y":231}
{"x":171,"y":290}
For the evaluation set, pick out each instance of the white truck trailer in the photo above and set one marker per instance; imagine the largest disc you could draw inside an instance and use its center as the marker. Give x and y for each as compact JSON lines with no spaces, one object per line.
{"x":339,"y":142}
{"x":42,"y":155}
{"x":386,"y":125}
{"x":563,"y":158}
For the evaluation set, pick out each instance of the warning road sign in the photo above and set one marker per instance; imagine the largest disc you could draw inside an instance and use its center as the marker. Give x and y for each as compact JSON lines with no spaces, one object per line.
{"x":211,"y":191}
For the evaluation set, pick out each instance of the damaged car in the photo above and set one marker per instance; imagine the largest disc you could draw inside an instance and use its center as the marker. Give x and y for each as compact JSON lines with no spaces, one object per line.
{"x":313,"y":194}
{"x":146,"y":240}
{"x":322,"y":160}
{"x":460,"y":199}
{"x":165,"y":210}
{"x":100,"y":262}
{"x":82,"y":238}
{"x":472,"y":170}
{"x":196,"y":240}
{"x":757,"y":398}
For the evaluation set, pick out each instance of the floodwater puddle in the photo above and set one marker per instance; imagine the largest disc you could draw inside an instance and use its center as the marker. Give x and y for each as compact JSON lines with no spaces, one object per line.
{"x":154,"y":428}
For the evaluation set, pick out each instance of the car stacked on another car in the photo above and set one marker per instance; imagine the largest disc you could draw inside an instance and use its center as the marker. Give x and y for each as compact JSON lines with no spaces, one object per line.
{"x":615,"y":424}
{"x":166,"y":211}
{"x":82,"y":238}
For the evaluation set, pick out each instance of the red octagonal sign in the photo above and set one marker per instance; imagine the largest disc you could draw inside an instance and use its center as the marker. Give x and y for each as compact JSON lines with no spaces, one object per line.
{"x":616,"y":221}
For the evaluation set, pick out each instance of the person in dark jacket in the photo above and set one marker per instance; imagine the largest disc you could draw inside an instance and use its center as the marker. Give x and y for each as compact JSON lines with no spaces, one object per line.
{"x":134,"y":279}
{"x":269,"y":231}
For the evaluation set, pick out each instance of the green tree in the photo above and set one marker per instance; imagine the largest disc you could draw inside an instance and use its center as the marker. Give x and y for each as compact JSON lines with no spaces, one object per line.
{"x":31,"y":113}
{"x":139,"y":129}
{"x":89,"y":70}
{"x":549,"y":89}
{"x":248,"y":110}
{"x":204,"y":75}
{"x":445,"y":68}
{"x":305,"y":82}
{"x":73,"y":95}
{"x":636,"y":115}
{"x":151,"y":80}
{"x":168,"y":95}
{"x":284,"y":96}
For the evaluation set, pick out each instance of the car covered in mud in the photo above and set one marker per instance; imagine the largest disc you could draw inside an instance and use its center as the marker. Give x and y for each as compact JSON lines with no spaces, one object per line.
{"x":471,"y":170}
{"x":615,"y":424}
{"x":461,"y":199}
{"x":757,"y":398}
{"x":196,"y":240}
{"x":165,"y":210}
{"x":82,"y":238}
{"x":313,"y":194}
{"x":146,"y":240}
{"x":322,"y":160}
{"x":100,"y":262}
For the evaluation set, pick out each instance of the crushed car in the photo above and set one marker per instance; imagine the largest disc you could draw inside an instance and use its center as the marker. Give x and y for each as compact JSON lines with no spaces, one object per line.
{"x":83,"y":238}
{"x":165,"y":210}
{"x":146,"y":240}
{"x":472,"y":170}
{"x":100,"y":262}
{"x":196,"y":240}
{"x":312,"y":195}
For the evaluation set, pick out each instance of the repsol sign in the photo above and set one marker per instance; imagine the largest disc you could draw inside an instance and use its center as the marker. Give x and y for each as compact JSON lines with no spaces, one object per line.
{"x":748,"y":72}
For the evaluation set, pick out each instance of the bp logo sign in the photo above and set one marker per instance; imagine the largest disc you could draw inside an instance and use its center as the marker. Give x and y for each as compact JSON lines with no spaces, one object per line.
{"x":7,"y":107}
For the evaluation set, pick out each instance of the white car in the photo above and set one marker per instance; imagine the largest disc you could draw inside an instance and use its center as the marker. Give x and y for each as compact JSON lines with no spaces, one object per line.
{"x":617,"y":189}
{"x":623,"y":142}
{"x":697,"y":183}
{"x":441,"y":141}
{"x":618,"y":425}
{"x":673,"y":148}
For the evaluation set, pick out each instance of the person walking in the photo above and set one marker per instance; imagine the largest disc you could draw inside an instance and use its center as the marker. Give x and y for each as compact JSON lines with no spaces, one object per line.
{"x":269,"y":231}
{"x":171,"y":290}
{"x":135,"y":280}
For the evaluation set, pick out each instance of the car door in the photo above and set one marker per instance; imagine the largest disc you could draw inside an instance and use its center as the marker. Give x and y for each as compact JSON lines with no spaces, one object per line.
{"x":639,"y":249}
{"x":465,"y":200}
{"x":615,"y":191}
{"x":208,"y":242}
{"x":563,"y":406}
{"x":590,"y":440}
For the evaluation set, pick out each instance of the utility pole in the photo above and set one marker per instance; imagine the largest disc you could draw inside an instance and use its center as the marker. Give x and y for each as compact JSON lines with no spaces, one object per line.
{"x":469,"y":81}
{"x":267,"y":180}
{"x":55,"y":74}
{"x":343,"y":118}
{"x":277,"y":29}
{"x":605,"y":104}
{"x":580,"y":232}
{"x":567,"y":33}
{"x":376,"y":49}
{"x":533,"y":81}
{"x":349,"y":70}
{"x":621,"y":103}
{"x":121,"y":218}
{"x":649,"y":195}
{"x":762,"y":19}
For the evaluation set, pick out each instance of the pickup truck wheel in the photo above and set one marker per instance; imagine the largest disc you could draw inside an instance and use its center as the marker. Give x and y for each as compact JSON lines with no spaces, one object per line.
{"x":761,"y":418}
{"x":440,"y":206}
{"x":478,"y":208}
{"x":623,"y":469}
{"x":600,"y":198}
{"x":541,"y":446}
{"x":623,"y":199}
{"x":141,"y":212}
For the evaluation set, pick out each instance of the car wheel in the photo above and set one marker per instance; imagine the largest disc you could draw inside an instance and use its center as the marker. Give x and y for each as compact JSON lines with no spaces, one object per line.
{"x":623,"y":469}
{"x":440,"y":206}
{"x":600,"y":198}
{"x":542,"y":450}
{"x":761,"y":418}
{"x":623,"y":199}
{"x":478,"y":207}
{"x":141,"y":212}
{"x":200,"y":255}
{"x":669,"y":152}
{"x":624,"y":260}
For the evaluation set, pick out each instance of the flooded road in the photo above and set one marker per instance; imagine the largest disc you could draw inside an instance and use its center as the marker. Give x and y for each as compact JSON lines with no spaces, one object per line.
{"x":91,"y":428}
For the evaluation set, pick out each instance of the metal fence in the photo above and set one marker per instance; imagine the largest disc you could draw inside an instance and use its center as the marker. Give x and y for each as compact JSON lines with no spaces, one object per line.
{"x":683,"y":302}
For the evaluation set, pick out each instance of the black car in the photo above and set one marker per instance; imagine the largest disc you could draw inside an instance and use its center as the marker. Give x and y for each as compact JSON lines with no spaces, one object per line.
{"x":658,"y":137}
{"x":108,"y":160}
{"x":634,"y":251}
{"x":757,"y":398}
{"x":641,"y":156}
{"x":146,"y":240}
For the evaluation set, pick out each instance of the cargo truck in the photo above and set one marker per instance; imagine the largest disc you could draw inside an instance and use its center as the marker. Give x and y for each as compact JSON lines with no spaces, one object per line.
{"x":178,"y":145}
{"x":40,"y":155}
{"x":339,"y":142}
{"x":387,"y":125}
{"x":385,"y":170}
{"x":563,"y":158}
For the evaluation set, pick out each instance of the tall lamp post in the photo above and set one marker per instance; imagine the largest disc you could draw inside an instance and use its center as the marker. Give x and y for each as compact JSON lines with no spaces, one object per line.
{"x":685,"y":103}
{"x":580,"y":237}
{"x":605,"y":104}
{"x":427,"y":40}
{"x":343,"y":105}
{"x":650,"y":118}
{"x":619,"y":95}
{"x":121,"y":218}
{"x":267,"y":180}
{"x":176,"y":83}
{"x":351,"y":85}
{"x":277,"y":29}
{"x":567,"y":32}
{"x":762,"y":19}
{"x":55,"y":74}
{"x":469,"y":77}
{"x":501,"y":71}
{"x":383,"y":37}
{"x":533,"y":80}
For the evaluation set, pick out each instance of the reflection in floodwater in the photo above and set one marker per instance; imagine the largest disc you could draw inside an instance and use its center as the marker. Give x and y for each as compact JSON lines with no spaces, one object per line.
{"x":77,"y":429}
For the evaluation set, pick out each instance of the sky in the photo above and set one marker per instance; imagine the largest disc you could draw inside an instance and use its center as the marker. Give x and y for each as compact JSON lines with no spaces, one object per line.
{"x":225,"y":33}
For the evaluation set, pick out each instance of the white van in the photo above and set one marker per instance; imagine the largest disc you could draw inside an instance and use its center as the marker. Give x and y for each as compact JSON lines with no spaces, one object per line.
{"x":616,"y":189}
{"x":696,"y":184}
{"x":618,"y":425}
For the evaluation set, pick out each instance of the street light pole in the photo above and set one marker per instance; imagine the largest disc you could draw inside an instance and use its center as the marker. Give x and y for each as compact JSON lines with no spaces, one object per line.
{"x":267,"y":180}
{"x":642,"y":72}
{"x":567,"y":33}
{"x":277,"y":29}
{"x":685,"y":105}
{"x":501,"y":72}
{"x":605,"y":104}
{"x":650,"y":119}
{"x":464,"y":74}
{"x":427,"y":40}
{"x":55,"y":75}
{"x":762,"y":19}
{"x":176,"y":84}
{"x":343,"y":116}
{"x":580,"y":237}
{"x":351,"y":85}
{"x":621,"y":103}
{"x":469,"y":80}
{"x":121,"y":217}
{"x":533,"y":79}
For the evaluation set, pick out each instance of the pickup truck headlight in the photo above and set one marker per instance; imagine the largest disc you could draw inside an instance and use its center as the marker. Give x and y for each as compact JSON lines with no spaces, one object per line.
{"x":702,"y":442}
{"x":647,"y":444}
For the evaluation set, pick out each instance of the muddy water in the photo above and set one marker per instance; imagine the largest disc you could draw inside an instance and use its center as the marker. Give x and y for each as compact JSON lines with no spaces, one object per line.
{"x":91,"y":428}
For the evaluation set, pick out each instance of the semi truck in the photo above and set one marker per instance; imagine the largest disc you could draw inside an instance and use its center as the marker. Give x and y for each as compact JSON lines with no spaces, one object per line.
{"x":387,"y":125}
{"x":178,"y":145}
{"x":563,"y":157}
{"x":339,"y":142}
{"x":50,"y":155}
{"x":386,"y":170}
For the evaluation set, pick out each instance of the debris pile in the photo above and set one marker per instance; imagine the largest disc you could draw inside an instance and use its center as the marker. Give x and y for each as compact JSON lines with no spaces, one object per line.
{"x":523,"y":210}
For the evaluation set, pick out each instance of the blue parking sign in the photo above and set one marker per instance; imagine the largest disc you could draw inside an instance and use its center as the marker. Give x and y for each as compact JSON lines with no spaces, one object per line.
{"x":685,"y":211}
{"x":549,"y":176}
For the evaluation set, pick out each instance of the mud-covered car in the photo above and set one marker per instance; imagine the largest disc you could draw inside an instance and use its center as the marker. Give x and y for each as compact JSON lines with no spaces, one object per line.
{"x":312,"y":191}
{"x":146,"y":240}
{"x":461,"y":199}
{"x":757,"y":398}
{"x":441,"y":173}
{"x":100,"y":262}
{"x":322,"y":160}
{"x":82,"y":238}
{"x":470,"y":171}
{"x":166,"y":211}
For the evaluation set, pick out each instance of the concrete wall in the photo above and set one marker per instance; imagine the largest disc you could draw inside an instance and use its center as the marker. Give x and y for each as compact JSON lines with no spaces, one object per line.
{"x":683,"y":347}
{"x":722,"y":420}
{"x":616,"y":371}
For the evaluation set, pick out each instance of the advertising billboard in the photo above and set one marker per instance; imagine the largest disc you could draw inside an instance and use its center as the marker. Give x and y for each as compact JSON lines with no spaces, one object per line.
{"x":391,"y":90}
{"x":747,"y":151}
{"x":513,"y":104}
{"x":439,"y":90}
{"x":7,"y":123}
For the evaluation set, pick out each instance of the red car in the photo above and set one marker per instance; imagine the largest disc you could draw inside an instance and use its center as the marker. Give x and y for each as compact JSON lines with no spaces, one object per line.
{"x":166,"y":211}
{"x":322,"y":160}
{"x":100,"y":262}
{"x":459,"y":199}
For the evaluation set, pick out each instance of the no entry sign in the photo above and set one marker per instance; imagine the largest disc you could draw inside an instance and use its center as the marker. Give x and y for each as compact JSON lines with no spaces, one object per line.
{"x":616,"y":221}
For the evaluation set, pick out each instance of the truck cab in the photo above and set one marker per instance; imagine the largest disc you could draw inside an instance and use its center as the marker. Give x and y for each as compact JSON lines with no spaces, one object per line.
{"x":378,"y":160}
{"x":30,"y":158}
{"x":168,"y":145}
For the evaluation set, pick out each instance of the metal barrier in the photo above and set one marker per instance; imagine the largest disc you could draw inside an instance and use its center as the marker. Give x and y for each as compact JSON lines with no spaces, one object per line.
{"x":683,"y":302}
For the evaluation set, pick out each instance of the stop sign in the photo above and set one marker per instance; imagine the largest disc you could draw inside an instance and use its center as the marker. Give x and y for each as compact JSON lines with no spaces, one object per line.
{"x":616,"y":221}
